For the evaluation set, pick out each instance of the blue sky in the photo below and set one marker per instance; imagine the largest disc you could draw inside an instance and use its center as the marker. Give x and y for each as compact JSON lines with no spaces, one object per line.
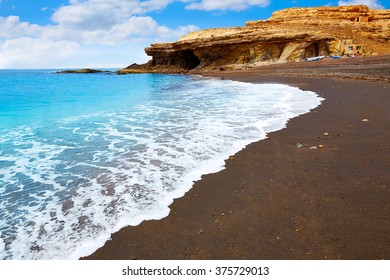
{"x":113,"y":33}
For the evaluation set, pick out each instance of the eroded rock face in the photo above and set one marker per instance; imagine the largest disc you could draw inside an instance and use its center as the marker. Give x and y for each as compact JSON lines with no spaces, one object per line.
{"x":289,"y":35}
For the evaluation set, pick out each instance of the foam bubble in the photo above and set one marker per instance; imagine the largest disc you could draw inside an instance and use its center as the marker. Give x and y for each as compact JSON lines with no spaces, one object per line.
{"x":2,"y":249}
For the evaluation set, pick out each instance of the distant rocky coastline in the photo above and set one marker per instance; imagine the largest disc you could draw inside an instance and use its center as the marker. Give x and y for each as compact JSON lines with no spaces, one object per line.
{"x":294,"y":34}
{"x":83,"y":71}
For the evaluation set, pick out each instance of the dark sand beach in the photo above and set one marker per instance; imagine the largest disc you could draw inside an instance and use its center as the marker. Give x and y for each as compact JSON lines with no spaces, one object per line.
{"x":277,"y":201}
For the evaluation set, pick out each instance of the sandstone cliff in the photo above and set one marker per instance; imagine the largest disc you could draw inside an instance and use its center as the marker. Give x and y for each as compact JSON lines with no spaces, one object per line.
{"x":289,"y":35}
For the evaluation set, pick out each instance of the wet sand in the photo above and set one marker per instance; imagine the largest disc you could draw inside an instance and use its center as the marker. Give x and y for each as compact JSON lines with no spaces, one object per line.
{"x":277,"y":201}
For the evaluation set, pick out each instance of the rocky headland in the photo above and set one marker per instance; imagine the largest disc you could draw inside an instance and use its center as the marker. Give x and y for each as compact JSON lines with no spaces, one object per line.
{"x":289,"y":35}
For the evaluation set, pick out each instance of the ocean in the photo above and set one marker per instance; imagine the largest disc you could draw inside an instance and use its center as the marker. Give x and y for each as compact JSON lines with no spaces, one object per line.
{"x":82,"y":156}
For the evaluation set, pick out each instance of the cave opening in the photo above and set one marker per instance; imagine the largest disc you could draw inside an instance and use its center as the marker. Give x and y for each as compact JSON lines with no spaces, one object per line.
{"x":189,"y":59}
{"x":312,"y":50}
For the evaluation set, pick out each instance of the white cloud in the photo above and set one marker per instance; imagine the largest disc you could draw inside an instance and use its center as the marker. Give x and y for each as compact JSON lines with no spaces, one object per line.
{"x":236,"y":5}
{"x":85,"y":32}
{"x":133,"y":27}
{"x":154,"y":5}
{"x":93,"y":14}
{"x":102,"y":14}
{"x":12,"y":27}
{"x":27,"y":52}
{"x":374,"y":4}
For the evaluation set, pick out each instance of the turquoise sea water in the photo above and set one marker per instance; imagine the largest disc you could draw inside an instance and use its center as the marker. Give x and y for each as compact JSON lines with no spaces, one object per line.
{"x":82,"y":156}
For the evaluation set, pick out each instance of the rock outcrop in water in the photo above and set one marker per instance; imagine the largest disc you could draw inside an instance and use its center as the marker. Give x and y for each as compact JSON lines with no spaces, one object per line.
{"x":289,"y":35}
{"x":82,"y":71}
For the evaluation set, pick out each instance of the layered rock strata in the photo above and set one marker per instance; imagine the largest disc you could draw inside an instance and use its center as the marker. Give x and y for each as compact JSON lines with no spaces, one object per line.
{"x":289,"y":35}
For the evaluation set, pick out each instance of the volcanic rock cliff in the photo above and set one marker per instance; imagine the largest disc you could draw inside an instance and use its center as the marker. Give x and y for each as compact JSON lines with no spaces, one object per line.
{"x":289,"y":35}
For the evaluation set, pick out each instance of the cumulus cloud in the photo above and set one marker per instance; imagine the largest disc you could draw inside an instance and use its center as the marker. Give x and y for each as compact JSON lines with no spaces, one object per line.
{"x":85,"y":29}
{"x":12,"y":27}
{"x":236,"y":5}
{"x":375,"y":4}
{"x":27,"y":52}
{"x":102,"y":14}
{"x":93,"y":14}
{"x":133,"y":27}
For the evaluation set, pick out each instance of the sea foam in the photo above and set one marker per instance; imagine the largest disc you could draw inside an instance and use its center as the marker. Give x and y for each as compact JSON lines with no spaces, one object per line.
{"x":67,"y":185}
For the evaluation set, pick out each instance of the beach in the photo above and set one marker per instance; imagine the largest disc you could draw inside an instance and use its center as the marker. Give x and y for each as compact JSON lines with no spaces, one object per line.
{"x":280,"y":198}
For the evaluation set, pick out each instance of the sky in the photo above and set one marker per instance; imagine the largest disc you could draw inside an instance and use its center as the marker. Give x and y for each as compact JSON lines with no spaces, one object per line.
{"x":55,"y":34}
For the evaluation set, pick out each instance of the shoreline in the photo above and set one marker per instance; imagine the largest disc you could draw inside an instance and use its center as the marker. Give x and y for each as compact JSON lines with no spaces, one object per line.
{"x":276,"y":201}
